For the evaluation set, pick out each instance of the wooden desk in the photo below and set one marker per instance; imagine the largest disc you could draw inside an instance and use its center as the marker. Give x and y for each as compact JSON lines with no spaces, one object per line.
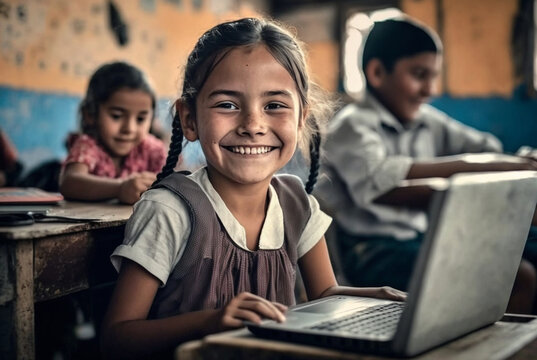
{"x":47,"y":260}
{"x":502,"y":340}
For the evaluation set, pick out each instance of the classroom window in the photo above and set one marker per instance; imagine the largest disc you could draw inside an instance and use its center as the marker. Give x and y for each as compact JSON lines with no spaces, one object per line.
{"x":357,"y":26}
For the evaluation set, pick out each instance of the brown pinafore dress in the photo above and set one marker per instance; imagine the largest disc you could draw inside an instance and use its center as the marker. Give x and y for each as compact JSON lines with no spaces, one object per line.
{"x":213,"y":269}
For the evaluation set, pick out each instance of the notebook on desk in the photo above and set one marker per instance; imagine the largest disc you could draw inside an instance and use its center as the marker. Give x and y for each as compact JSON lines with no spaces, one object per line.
{"x":461,"y":282}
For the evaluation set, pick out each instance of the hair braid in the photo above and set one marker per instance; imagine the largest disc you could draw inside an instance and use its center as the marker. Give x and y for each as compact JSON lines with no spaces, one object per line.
{"x":176,"y":146}
{"x":315,"y":148}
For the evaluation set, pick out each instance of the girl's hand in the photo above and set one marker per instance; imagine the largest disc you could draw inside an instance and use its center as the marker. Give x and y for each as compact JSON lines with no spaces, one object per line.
{"x":248,"y":307}
{"x":132,"y":187}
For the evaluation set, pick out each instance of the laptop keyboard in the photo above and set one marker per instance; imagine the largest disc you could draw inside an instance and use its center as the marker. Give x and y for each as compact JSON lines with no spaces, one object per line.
{"x":379,"y":320}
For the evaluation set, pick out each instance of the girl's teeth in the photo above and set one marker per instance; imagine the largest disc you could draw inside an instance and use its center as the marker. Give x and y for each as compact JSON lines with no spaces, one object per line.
{"x":250,"y":150}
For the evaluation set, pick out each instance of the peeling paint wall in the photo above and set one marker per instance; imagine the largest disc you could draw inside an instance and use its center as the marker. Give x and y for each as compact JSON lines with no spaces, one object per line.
{"x":55,"y":45}
{"x":49,"y":49}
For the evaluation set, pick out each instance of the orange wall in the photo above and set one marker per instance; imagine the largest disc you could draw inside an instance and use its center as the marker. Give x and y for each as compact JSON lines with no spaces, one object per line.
{"x":57,"y":44}
{"x":477,"y":43}
{"x":323,"y":60}
{"x":424,"y":10}
{"x":60,"y":42}
{"x":477,"y":37}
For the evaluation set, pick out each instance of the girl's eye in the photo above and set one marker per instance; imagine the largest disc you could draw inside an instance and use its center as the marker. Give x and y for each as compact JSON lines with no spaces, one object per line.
{"x":141,"y":119}
{"x":275,"y":106}
{"x":116,"y":116}
{"x":227,"y":105}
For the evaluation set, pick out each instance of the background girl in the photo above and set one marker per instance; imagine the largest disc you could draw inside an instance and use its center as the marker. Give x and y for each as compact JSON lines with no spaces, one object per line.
{"x":206,"y":251}
{"x":115,"y":156}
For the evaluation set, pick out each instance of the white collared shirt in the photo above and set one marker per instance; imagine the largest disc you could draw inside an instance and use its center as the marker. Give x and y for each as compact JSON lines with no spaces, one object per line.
{"x":368,"y":152}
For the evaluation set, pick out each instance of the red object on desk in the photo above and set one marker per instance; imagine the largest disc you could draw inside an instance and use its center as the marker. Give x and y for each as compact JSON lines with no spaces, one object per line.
{"x":15,"y":195}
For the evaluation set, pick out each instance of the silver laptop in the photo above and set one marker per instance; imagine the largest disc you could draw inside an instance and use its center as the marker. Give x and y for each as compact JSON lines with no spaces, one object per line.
{"x":461,"y":282}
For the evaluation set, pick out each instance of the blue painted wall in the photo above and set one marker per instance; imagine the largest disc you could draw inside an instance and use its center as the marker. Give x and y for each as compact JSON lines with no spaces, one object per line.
{"x":512,"y":120}
{"x":38,"y":123}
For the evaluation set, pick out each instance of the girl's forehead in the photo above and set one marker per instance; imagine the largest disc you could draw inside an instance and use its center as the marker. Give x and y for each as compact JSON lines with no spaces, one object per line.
{"x":252,"y":63}
{"x":242,"y":55}
{"x":130,"y":98}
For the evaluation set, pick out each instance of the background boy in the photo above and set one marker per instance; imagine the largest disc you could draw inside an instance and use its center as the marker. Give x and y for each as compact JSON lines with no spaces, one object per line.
{"x":390,"y":136}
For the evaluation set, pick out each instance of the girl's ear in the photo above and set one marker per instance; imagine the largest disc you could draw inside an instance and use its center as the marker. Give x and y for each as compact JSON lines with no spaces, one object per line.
{"x":375,"y":73}
{"x":303,"y":117}
{"x":188,"y":120}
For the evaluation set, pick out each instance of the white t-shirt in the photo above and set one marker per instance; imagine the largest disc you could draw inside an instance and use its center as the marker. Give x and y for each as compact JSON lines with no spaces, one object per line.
{"x":158,"y":230}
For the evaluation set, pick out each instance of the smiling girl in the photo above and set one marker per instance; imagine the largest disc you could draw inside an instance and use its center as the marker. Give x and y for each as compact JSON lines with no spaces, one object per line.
{"x":206,"y":251}
{"x":115,"y":156}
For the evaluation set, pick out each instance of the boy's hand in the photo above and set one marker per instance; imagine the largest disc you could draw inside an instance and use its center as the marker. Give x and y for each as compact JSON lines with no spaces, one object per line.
{"x":389,"y":293}
{"x":248,"y":307}
{"x":384,"y":292}
{"x":132,"y":187}
{"x":527,"y":152}
{"x":502,"y":162}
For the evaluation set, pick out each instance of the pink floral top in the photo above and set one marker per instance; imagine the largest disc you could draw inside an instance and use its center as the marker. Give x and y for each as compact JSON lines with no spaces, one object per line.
{"x":149,"y":155}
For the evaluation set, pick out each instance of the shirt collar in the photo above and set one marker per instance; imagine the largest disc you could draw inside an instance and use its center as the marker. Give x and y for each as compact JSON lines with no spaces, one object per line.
{"x":272,"y":234}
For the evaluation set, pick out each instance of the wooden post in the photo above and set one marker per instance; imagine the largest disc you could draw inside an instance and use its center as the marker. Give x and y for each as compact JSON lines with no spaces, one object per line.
{"x":23,"y":317}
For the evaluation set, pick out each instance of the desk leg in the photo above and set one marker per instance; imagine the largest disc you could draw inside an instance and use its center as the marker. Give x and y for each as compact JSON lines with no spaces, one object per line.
{"x":23,"y":305}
